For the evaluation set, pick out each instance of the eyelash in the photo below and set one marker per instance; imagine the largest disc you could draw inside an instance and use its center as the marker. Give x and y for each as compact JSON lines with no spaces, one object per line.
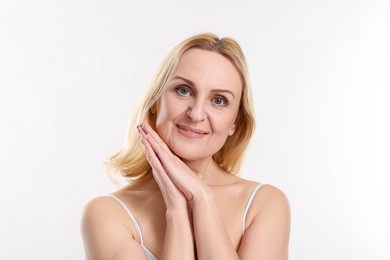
{"x":180,"y":88}
{"x":224,"y":100}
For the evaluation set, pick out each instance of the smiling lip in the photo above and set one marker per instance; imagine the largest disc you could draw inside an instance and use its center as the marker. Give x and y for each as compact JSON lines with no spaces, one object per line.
{"x":191,"y":132}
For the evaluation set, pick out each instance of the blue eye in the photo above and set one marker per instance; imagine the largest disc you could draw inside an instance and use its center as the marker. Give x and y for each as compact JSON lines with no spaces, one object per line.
{"x":220,"y":101}
{"x":182,"y":90}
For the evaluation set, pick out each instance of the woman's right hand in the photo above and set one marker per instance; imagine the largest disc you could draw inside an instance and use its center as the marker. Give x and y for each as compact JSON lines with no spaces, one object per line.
{"x":179,"y":239}
{"x":173,"y":197}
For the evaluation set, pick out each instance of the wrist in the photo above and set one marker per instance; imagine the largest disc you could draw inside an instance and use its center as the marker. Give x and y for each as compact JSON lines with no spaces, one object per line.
{"x":178,"y":217}
{"x":202,"y":199}
{"x":177,"y":210}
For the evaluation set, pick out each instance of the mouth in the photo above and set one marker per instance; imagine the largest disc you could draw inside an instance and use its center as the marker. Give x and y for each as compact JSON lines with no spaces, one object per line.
{"x":192,"y":131}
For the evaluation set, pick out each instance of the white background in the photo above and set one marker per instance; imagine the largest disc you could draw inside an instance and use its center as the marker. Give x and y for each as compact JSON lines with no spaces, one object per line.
{"x":71,"y":73}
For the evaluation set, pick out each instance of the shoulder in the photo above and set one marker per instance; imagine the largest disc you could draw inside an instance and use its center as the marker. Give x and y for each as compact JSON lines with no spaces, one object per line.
{"x":265,"y":196}
{"x":270,"y":199}
{"x":272,"y":193}
{"x":97,"y":205}
{"x":101,"y":208}
{"x":101,"y":213}
{"x":270,"y":209}
{"x":269,"y":204}
{"x":268,"y":225}
{"x":110,"y":209}
{"x":107,"y":231}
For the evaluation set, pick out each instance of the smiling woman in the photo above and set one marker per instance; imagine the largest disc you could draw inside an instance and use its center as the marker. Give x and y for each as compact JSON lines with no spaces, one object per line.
{"x":198,"y":110}
{"x":184,"y":148}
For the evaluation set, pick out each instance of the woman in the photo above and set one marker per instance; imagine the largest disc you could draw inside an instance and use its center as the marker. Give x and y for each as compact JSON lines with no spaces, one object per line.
{"x":184,"y":148}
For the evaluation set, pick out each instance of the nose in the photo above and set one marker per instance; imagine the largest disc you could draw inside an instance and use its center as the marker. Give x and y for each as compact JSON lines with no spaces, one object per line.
{"x":196,"y":112}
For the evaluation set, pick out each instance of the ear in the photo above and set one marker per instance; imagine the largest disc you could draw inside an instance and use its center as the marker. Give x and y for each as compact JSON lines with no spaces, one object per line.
{"x":234,"y":125}
{"x":153,"y":110}
{"x":155,"y":107}
{"x":232,"y":129}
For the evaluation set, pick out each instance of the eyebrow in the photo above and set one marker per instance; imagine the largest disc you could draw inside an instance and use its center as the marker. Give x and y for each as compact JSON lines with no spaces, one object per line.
{"x":218,"y":90}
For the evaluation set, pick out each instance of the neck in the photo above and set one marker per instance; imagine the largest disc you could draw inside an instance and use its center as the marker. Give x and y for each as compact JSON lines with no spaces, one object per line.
{"x":205,"y":169}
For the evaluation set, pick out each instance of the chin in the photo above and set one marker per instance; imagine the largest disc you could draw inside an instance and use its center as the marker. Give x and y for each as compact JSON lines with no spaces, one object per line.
{"x":189,"y":154}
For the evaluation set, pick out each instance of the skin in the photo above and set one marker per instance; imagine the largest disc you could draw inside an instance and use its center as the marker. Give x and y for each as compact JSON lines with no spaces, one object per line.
{"x":191,"y":200}
{"x":204,"y":94}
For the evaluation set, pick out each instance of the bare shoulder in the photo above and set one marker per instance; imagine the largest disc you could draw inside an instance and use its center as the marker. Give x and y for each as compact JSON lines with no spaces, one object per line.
{"x":99,"y":204}
{"x":267,"y":197}
{"x":106,"y":231}
{"x":270,"y":201}
{"x":269,"y":194}
{"x":101,"y":216}
{"x":100,"y":209}
{"x":268,"y":225}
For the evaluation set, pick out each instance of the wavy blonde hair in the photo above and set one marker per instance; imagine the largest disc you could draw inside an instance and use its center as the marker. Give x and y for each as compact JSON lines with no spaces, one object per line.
{"x":131,"y":162}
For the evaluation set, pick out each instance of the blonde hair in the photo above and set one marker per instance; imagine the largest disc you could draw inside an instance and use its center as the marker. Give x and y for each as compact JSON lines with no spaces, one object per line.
{"x":131,"y":162}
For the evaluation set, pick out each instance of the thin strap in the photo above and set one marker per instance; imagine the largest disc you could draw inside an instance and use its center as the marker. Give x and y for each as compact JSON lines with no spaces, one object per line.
{"x":149,"y":254}
{"x":248,"y":205}
{"x":137,"y":227}
{"x":132,"y":218}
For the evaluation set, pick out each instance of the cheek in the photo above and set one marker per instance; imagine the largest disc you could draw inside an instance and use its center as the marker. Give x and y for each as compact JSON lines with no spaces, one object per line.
{"x":164,"y":118}
{"x":161,"y":122}
{"x":161,"y":117}
{"x":224,"y":124}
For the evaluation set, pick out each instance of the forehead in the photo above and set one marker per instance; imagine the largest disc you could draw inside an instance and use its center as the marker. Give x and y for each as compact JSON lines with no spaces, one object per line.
{"x":208,"y":68}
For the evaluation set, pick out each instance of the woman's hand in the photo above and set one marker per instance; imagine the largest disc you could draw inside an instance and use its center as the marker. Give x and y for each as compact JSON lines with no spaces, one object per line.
{"x":179,"y":238}
{"x":173,"y":197}
{"x":178,"y":183}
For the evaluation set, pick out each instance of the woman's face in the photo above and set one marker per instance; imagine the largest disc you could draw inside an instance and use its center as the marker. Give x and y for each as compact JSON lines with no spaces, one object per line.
{"x":198,"y":108}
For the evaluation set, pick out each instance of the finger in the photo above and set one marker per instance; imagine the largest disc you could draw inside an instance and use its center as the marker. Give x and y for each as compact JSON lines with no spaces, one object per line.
{"x":151,"y":156}
{"x":152,"y":148}
{"x":158,"y":169}
{"x":165,"y":157}
{"x":141,"y":131}
{"x":177,"y":171}
{"x":146,"y":136}
{"x":172,"y":195}
{"x":148,"y":130}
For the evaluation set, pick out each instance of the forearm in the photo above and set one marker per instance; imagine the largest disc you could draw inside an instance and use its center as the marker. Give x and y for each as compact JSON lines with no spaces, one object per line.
{"x":212,"y":239}
{"x":178,"y":242}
